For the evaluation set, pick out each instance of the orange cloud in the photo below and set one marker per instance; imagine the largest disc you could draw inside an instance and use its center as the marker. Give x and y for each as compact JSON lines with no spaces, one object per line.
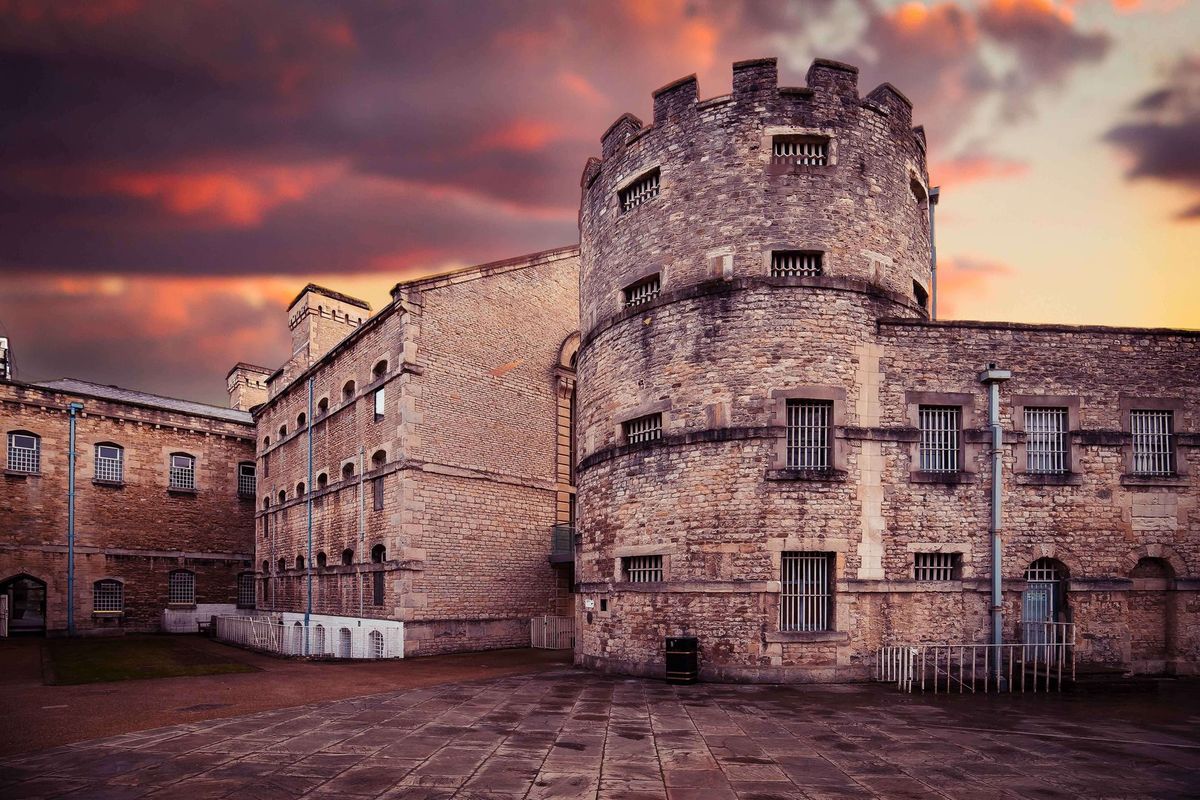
{"x":962,"y":276}
{"x":520,"y":135}
{"x":972,"y":168}
{"x":582,"y":88}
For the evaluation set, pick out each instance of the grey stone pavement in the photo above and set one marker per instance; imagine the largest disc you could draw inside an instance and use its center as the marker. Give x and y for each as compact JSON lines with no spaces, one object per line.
{"x":572,"y":734}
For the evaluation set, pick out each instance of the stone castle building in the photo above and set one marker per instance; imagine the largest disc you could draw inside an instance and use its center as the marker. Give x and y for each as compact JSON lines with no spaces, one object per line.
{"x":776,"y":449}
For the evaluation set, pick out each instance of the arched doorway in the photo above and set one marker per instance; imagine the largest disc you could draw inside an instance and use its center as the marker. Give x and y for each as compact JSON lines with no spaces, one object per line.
{"x":1044,"y":600}
{"x":1149,"y":605}
{"x":26,"y":604}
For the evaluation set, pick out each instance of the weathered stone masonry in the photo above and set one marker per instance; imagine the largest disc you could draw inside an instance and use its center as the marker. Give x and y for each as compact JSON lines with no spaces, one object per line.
{"x":721,"y":349}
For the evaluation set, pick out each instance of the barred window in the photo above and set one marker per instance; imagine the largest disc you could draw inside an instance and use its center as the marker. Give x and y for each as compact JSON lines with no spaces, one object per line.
{"x":25,"y":453}
{"x":791,"y":263}
{"x":110,"y":463}
{"x":808,"y":434}
{"x":1046,"y":440}
{"x":247,"y":482}
{"x":181,"y":587}
{"x":183,"y":471}
{"x":936,"y":566}
{"x":806,"y":596}
{"x":642,"y":569}
{"x":643,"y":291}
{"x":808,"y":151}
{"x":108,"y":597}
{"x":939,"y":448}
{"x":1153,"y":445}
{"x":643,"y":190}
{"x":245,"y":590}
{"x":643,"y":429}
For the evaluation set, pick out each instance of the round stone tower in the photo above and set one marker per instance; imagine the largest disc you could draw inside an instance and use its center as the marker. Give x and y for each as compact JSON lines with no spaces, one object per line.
{"x":735,"y":256}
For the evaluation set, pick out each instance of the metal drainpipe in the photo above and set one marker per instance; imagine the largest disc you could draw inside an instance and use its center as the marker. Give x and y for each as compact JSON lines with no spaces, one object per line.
{"x":73,"y":409}
{"x":308,"y":566}
{"x":992,"y":378}
{"x":362,"y":526}
{"x":934,"y":193}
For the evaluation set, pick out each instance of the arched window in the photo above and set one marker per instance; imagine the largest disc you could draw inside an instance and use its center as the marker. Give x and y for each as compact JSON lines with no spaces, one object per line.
{"x":266,"y":442}
{"x":25,"y":452}
{"x":282,"y":431}
{"x":282,"y":496}
{"x":348,"y":390}
{"x":299,"y":562}
{"x":266,"y":503}
{"x":301,"y":419}
{"x":322,"y":407}
{"x":281,"y":565}
{"x":380,"y":369}
{"x":110,"y":463}
{"x":183,"y":471}
{"x":300,"y":489}
{"x":322,"y":480}
{"x":181,"y":588}
{"x":108,"y":597}
{"x":347,"y":557}
{"x":1044,"y":599}
{"x":378,"y":459}
{"x":348,"y":470}
{"x":266,"y":567}
{"x":318,"y":646}
{"x":376,"y":641}
{"x":378,"y":554}
{"x":322,"y":560}
{"x":247,"y":479}
{"x":344,"y":648}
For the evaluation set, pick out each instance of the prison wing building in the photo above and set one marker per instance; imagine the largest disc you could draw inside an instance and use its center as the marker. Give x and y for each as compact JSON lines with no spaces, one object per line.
{"x":728,"y":414}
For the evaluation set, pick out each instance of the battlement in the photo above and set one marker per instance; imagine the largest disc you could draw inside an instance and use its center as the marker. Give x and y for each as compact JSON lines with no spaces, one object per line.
{"x":756,"y":84}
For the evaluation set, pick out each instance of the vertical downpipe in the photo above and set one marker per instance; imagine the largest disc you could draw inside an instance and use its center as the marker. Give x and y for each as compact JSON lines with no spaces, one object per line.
{"x":992,"y":378}
{"x":308,"y":566}
{"x":362,"y":526}
{"x":73,"y":409}
{"x":934,"y":193}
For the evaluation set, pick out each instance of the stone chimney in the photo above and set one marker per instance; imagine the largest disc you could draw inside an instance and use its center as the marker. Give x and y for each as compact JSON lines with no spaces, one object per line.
{"x":247,"y":386}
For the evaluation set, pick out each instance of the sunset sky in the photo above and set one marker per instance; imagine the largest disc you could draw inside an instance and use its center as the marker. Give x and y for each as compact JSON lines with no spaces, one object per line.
{"x":172,"y":173}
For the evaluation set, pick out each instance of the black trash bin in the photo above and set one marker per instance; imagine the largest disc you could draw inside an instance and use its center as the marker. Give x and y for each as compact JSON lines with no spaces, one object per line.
{"x":683,"y":659}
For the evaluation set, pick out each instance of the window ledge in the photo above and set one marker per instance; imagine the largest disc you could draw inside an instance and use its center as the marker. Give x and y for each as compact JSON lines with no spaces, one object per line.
{"x":1154,"y":480}
{"x":16,"y":473}
{"x":108,"y":613}
{"x":796,"y":637}
{"x":941,"y":477}
{"x":110,"y":484}
{"x":815,"y":475}
{"x":179,"y":490}
{"x":1048,"y":479}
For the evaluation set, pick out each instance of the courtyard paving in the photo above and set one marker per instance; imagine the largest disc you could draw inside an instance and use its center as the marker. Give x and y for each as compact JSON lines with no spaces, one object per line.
{"x":564,"y":733}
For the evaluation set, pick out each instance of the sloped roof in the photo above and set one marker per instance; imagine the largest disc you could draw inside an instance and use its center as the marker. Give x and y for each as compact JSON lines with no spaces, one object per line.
{"x":117,"y":394}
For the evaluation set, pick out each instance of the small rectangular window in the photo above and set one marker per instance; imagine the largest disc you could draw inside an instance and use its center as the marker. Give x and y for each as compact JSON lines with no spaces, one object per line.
{"x":377,"y":493}
{"x":24,"y":453}
{"x":808,"y":151}
{"x":1046,"y":440}
{"x":245,"y":587}
{"x":809,"y":441}
{"x":643,"y":429}
{"x":936,"y":566}
{"x":793,"y":263}
{"x":109,"y":463}
{"x":266,"y":461}
{"x":643,"y":190}
{"x":940,"y":433}
{"x":377,"y":589}
{"x":806,"y":596}
{"x":183,"y":472}
{"x":247,"y":482}
{"x":643,"y":291}
{"x":181,"y":587}
{"x":642,"y":569}
{"x":108,"y":597}
{"x":1153,"y":442}
{"x":380,"y":404}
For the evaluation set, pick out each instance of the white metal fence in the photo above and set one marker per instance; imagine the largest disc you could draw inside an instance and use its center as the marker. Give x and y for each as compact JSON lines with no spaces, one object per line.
{"x":328,"y":637}
{"x":963,"y":668}
{"x":552,"y":633}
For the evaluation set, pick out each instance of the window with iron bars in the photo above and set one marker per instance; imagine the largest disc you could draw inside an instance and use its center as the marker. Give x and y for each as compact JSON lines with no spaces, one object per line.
{"x":939,"y":447}
{"x":245,"y":590}
{"x":183,"y":472}
{"x":936,"y":566}
{"x":247,"y":480}
{"x":109,"y":463}
{"x":1046,"y":440}
{"x":642,"y":569}
{"x":792,"y":263}
{"x":643,"y":190}
{"x":108,"y":597}
{"x":24,"y":453}
{"x":643,"y":429}
{"x":808,"y":434}
{"x":1153,"y":446}
{"x":806,"y":592}
{"x":181,"y":587}
{"x":808,"y":151}
{"x":643,"y":291}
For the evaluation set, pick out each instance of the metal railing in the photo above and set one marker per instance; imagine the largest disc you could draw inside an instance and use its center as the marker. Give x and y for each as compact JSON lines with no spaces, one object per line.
{"x":325,"y":639}
{"x":551,"y":632}
{"x":1043,"y":664}
{"x":562,"y":540}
